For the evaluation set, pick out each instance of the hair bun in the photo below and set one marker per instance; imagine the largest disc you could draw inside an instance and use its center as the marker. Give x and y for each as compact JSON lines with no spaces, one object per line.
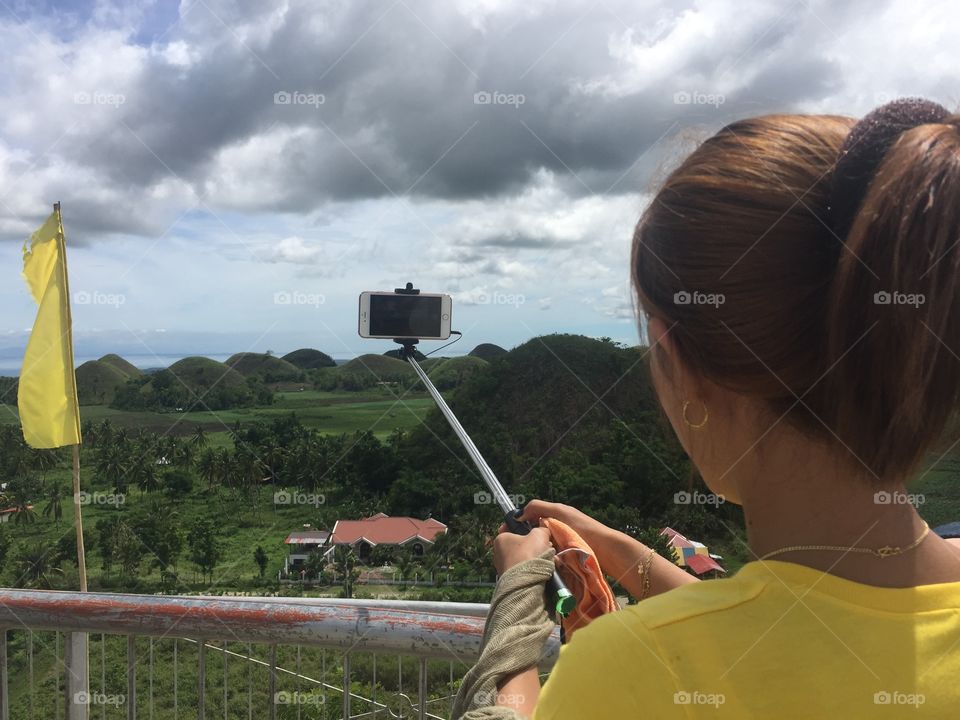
{"x":862,"y":152}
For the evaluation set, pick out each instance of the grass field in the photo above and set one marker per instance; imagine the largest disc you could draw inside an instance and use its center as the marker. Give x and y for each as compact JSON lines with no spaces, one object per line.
{"x":328,"y":412}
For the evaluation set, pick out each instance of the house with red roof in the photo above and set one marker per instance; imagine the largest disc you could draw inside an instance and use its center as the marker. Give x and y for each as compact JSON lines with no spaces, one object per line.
{"x":381,"y":529}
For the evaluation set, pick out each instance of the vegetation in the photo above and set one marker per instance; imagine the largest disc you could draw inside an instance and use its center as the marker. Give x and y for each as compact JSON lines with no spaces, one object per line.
{"x":487,"y":351}
{"x":266,"y":367}
{"x":309,"y":359}
{"x":192,"y":383}
{"x":185,"y":502}
{"x":97,"y":382}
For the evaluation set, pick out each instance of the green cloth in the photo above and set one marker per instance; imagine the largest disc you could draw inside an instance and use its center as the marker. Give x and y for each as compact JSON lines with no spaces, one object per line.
{"x":517,"y":627}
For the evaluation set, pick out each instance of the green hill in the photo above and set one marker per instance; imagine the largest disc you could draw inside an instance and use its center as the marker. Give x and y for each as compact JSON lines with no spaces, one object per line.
{"x":192,"y":383}
{"x":308,"y":359}
{"x":448,"y":373}
{"x":127,"y":368}
{"x":487,"y":351}
{"x":266,"y":367}
{"x":563,"y":417}
{"x":419,"y":356}
{"x":97,"y":381}
{"x":200,"y":373}
{"x":380,"y":365}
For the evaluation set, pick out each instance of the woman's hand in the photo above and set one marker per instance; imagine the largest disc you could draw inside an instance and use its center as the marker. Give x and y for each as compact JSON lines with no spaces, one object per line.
{"x":619,"y":555}
{"x":510,"y":549}
{"x":597,"y":535}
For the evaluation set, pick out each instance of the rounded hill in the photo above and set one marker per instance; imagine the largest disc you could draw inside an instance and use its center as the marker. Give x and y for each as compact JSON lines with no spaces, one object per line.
{"x":266,"y":367}
{"x":308,"y":359}
{"x":447,"y":373}
{"x":127,"y":368}
{"x":97,"y":381}
{"x":384,"y":367}
{"x":487,"y":351}
{"x":199,"y":373}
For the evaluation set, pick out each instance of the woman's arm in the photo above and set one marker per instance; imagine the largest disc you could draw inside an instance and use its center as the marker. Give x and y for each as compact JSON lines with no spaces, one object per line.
{"x":520,"y":692}
{"x":620,"y":556}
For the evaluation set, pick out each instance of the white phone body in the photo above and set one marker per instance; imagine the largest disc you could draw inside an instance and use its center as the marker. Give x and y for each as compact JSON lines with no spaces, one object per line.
{"x":383,"y":313}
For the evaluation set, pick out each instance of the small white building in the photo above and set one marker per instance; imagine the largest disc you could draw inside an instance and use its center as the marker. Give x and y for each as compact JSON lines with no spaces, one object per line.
{"x":300,"y":544}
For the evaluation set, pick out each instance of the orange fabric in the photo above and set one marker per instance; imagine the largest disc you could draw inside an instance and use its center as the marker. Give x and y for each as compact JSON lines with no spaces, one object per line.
{"x":579,"y":569}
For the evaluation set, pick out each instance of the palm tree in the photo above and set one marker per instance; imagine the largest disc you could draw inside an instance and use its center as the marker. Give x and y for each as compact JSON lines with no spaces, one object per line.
{"x":316,"y":564}
{"x":112,"y":466}
{"x":404,"y":563}
{"x":35,"y":566}
{"x":344,"y":562}
{"x":208,"y":468}
{"x":199,"y":438}
{"x":144,"y":474}
{"x":185,"y":454}
{"x":54,"y":506}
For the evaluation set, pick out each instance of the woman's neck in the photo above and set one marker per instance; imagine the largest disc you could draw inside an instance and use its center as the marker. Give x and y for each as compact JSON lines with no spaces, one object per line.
{"x":801,"y":496}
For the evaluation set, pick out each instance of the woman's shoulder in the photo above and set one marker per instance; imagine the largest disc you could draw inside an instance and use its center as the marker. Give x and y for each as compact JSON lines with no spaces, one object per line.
{"x":693,"y":600}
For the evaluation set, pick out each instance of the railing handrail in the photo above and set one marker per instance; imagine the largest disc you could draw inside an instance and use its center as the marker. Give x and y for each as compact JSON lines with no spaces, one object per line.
{"x":426,"y":606}
{"x":357,"y":626}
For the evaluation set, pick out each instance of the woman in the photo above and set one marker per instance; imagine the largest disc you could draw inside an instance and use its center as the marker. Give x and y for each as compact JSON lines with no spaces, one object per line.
{"x":799,"y":279}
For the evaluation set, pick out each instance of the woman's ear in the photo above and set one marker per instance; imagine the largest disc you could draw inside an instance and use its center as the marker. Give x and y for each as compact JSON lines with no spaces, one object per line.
{"x":657,"y":333}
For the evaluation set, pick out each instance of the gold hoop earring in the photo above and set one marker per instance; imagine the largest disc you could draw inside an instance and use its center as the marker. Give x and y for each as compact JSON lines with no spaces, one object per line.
{"x":699,"y":425}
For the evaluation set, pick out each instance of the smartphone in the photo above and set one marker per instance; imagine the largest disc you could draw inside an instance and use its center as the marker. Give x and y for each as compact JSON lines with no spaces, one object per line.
{"x":391,"y":315}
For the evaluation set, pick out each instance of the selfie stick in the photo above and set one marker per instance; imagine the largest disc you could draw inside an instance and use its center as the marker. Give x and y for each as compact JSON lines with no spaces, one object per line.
{"x":563,"y":600}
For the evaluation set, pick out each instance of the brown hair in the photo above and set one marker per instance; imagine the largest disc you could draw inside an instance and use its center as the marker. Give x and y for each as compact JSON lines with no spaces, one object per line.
{"x":794,"y":315}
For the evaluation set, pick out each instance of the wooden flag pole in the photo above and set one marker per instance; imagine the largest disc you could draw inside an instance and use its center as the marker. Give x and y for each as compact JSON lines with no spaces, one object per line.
{"x":78,"y":522}
{"x":81,"y":554}
{"x":76,"y":648}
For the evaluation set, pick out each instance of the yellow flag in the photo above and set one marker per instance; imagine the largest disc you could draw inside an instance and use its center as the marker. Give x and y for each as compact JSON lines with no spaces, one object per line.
{"x":47,"y":392}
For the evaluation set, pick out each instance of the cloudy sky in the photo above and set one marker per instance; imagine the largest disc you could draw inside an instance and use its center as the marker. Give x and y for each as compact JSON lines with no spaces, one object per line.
{"x":233,"y":174}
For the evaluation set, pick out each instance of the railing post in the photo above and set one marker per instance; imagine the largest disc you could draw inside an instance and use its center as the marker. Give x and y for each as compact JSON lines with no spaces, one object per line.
{"x":4,"y":688}
{"x":346,"y":686}
{"x":131,"y":677}
{"x":272,"y":689}
{"x":201,"y":679}
{"x":77,"y":681}
{"x":422,"y":689}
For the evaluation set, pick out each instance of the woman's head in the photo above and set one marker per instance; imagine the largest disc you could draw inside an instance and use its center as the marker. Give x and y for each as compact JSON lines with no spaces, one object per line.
{"x":842,"y":323}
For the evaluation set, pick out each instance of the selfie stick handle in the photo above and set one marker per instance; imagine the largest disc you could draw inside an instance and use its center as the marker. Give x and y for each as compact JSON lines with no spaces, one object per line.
{"x":564,"y":601}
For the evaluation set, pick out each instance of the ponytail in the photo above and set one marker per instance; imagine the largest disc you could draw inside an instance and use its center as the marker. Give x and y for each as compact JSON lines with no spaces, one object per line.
{"x":893,"y":320}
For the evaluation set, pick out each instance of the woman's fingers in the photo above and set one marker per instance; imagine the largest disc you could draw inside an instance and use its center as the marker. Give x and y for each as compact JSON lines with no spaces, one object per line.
{"x":536,"y":509}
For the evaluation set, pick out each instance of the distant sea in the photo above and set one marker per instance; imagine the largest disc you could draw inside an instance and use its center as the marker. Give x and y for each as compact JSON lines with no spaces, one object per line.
{"x":144,"y":362}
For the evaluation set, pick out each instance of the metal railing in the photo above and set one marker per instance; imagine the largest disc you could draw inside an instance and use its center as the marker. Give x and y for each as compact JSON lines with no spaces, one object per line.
{"x":291,"y":654}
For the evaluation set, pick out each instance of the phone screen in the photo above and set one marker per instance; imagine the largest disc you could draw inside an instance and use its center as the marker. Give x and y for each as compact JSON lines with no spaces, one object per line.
{"x":403,"y":316}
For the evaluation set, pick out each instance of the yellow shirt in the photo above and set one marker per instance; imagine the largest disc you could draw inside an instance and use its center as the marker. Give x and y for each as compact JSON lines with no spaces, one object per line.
{"x":777,"y":640}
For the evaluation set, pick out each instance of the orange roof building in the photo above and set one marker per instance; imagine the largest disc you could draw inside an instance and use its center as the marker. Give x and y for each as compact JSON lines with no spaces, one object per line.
{"x":381,"y":529}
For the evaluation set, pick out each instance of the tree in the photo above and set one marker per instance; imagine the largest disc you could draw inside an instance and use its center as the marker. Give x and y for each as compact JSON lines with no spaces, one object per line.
{"x":54,"y":506}
{"x":177,"y":483}
{"x":111,"y":465}
{"x":144,"y":474}
{"x":157,"y":526}
{"x":35,"y":566}
{"x":127,"y":550}
{"x":205,"y":548}
{"x":4,"y":547}
{"x":20,"y":491}
{"x":316,"y":564}
{"x":344,"y":562}
{"x":208,"y":467}
{"x":404,"y":563}
{"x":199,"y":438}
{"x":106,"y":530}
{"x":260,"y":558}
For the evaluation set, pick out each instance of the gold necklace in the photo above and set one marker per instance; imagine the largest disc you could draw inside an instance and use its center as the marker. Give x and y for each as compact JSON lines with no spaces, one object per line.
{"x":884,"y":552}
